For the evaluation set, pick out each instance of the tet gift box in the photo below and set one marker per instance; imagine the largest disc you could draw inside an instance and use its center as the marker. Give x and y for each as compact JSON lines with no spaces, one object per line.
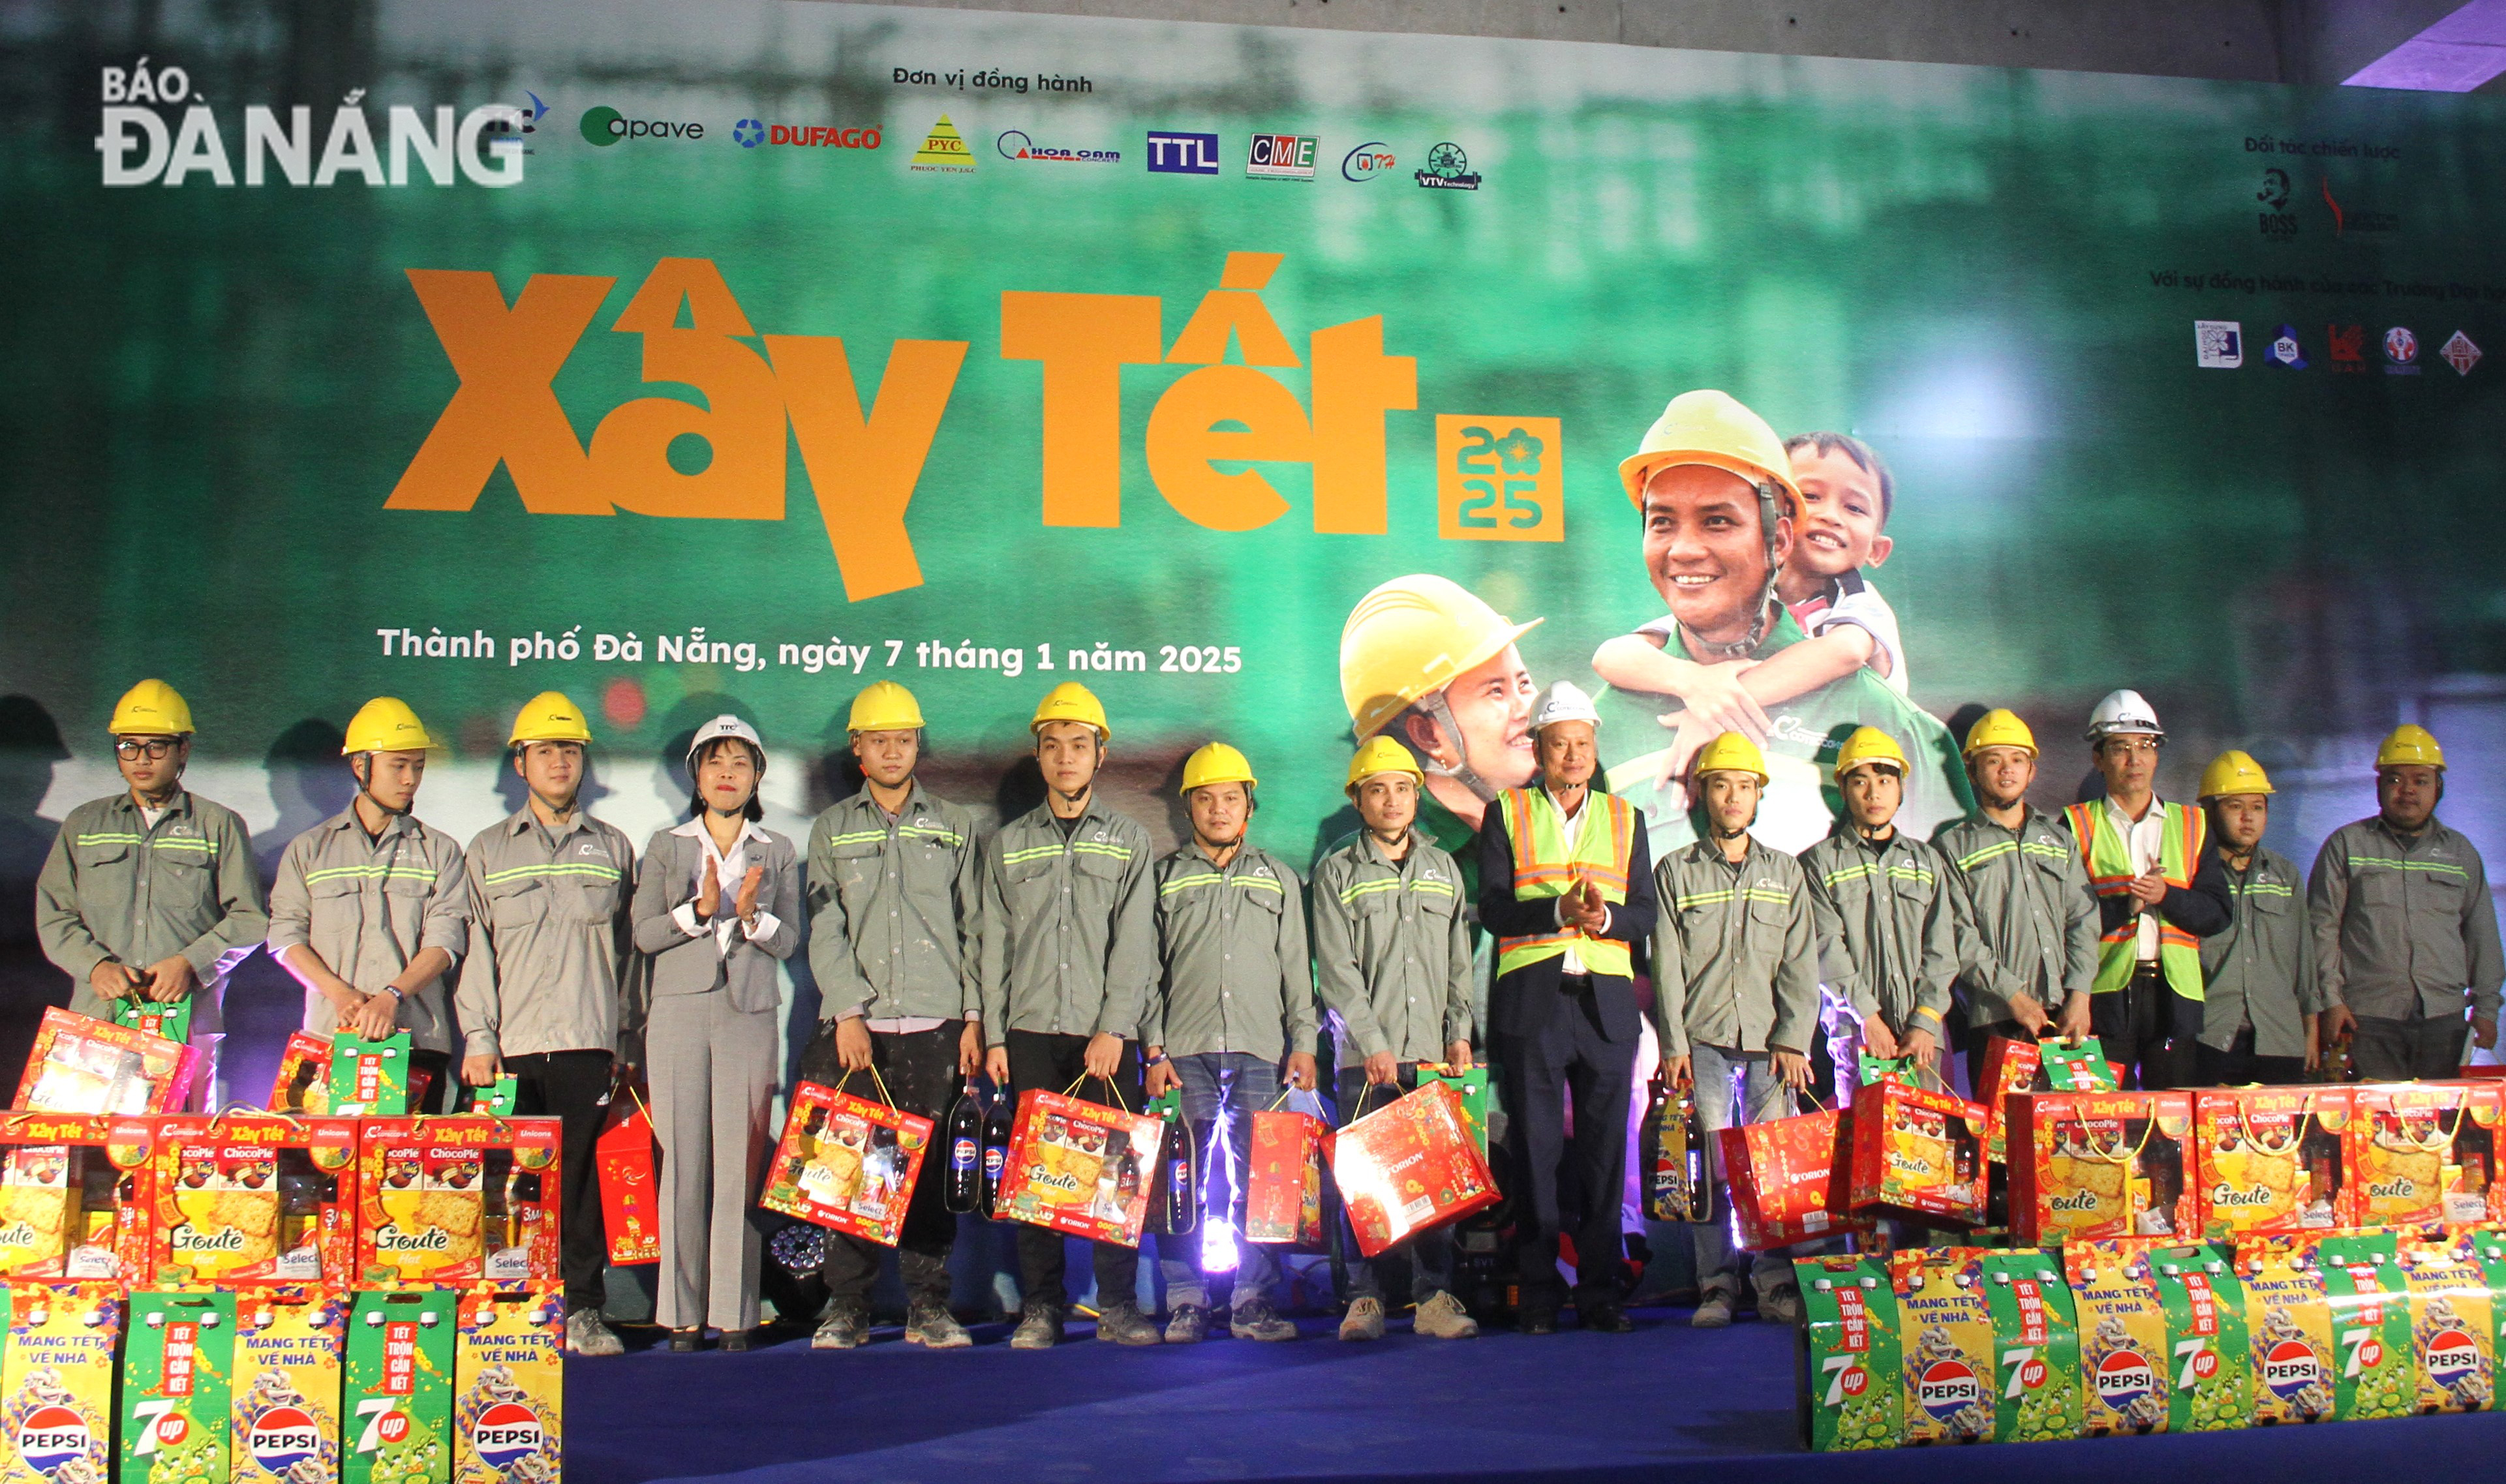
{"x":254,"y":1197}
{"x":509,"y":1364}
{"x":2087,"y":1166}
{"x":398,"y":1394}
{"x":2009,"y":1066}
{"x":1283,"y":1191}
{"x":304,"y":1081}
{"x":289,"y":1344}
{"x":1917,"y":1154}
{"x":627,"y":1164}
{"x":73,"y":1196}
{"x":1949,"y":1380}
{"x":56,"y":1374}
{"x":846,"y":1163}
{"x":178,"y":1369}
{"x":87,"y":1066}
{"x":171,"y":1021}
{"x":2453,"y":1323}
{"x":2421,"y":1153}
{"x":1408,"y":1167}
{"x":1472,"y":1082}
{"x":457,"y":1198}
{"x":2083,"y":1068}
{"x":2268,"y":1159}
{"x":1789,"y":1178}
{"x":1078,"y":1167}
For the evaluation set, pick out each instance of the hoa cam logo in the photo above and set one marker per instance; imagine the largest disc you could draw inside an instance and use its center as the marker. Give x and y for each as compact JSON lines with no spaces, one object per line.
{"x":482,"y":146}
{"x":1367,"y":162}
{"x":1016,"y":144}
{"x":1448,"y":169}
{"x":603,"y":125}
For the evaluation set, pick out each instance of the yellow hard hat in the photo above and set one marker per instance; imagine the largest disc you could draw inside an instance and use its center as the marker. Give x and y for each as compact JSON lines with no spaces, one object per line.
{"x":1071,"y":701}
{"x":1867,"y":745}
{"x":1216,"y":762}
{"x":2409,"y":743}
{"x":1411,"y":637}
{"x":385,"y":725}
{"x":151,"y":709}
{"x":1712,"y":428}
{"x":883,"y":705}
{"x":548,"y":717}
{"x":2233,"y":772}
{"x":1730,"y":753}
{"x":1382,"y":755}
{"x":1999,"y":728}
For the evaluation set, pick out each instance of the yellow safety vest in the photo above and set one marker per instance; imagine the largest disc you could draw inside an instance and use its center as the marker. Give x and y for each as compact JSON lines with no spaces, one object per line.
{"x":1544,"y":868}
{"x":2109,"y":857}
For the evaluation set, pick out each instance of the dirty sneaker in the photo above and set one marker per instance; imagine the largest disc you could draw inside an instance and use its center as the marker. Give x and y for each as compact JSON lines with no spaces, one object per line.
{"x":1783,"y":1307}
{"x":1442,"y":1318}
{"x":1039,"y":1328}
{"x":587,"y":1336}
{"x":1125,"y":1324}
{"x":1364,"y":1320}
{"x":845,"y":1327}
{"x":1189,"y":1324}
{"x":1256,"y":1320}
{"x":1715,"y":1313}
{"x":933,"y":1327}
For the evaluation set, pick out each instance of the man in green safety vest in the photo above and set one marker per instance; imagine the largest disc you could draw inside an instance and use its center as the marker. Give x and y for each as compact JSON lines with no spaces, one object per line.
{"x":2159,"y":892}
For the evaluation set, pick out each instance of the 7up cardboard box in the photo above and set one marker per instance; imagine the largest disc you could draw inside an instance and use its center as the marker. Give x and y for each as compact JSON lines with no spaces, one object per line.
{"x":2211,"y":1370}
{"x":2370,"y":1326}
{"x":177,"y":1371}
{"x":508,"y":1424}
{"x":2035,"y":1347}
{"x":286,"y":1416}
{"x":56,"y":1382}
{"x":399,"y":1391}
{"x":1850,"y":1398}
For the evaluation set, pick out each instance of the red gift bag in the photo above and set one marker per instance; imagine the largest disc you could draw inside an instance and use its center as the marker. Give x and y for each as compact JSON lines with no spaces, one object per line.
{"x":1080,"y":1167}
{"x":1409,"y":1167}
{"x":1283,"y":1191}
{"x":848,"y":1163}
{"x":2009,"y":1066}
{"x":1788,"y":1178}
{"x":630,"y":1167}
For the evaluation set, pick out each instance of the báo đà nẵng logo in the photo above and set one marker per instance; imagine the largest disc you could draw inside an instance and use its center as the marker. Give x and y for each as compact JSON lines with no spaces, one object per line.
{"x":446,"y":146}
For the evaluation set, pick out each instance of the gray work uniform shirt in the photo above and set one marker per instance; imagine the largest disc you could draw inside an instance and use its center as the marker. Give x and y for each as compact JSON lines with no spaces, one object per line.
{"x":117,"y":887}
{"x":551,"y":937}
{"x":1735,"y":951}
{"x":2026,"y":919}
{"x":1392,"y":948}
{"x":1231,"y":947}
{"x":1069,"y":933}
{"x":2403,"y":927}
{"x":1887,"y":926}
{"x":2261,"y":970}
{"x":893,"y":904}
{"x":366,"y":905}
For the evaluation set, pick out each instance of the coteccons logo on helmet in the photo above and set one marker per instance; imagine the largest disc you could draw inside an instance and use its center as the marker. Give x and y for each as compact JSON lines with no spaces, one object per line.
{"x":482,"y":146}
{"x":604,"y":126}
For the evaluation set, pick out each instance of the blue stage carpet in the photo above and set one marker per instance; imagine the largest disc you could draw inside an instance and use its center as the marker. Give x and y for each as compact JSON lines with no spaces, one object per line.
{"x":1666,"y":1403}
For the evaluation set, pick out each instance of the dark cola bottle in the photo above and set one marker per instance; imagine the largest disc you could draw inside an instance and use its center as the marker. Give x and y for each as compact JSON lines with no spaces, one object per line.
{"x":1662,"y":1170}
{"x":996,"y":1151}
{"x":1693,"y":1147}
{"x":965,"y":1139}
{"x":1182,"y":1159}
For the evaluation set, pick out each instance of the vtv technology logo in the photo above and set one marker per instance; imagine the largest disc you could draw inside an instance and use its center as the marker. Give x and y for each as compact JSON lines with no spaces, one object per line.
{"x":1182,"y":154}
{"x":1367,"y":162}
{"x":483,"y":146}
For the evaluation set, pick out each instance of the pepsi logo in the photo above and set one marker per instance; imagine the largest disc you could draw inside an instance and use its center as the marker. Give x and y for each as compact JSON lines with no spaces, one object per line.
{"x":505,"y":1433}
{"x":1947,"y":1387}
{"x":2124,"y":1377}
{"x":392,"y":1427}
{"x":962,"y":1154}
{"x":283,"y":1438}
{"x":1854,"y":1382}
{"x":2290,"y":1368}
{"x":2452,"y":1355}
{"x":52,"y":1436}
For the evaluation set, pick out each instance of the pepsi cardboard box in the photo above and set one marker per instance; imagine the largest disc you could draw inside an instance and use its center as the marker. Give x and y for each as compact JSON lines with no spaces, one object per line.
{"x":56,"y":1382}
{"x":1850,"y":1398}
{"x":398,"y":1395}
{"x":2123,"y":1336}
{"x":286,"y":1416}
{"x":508,"y":1425}
{"x":2289,"y":1327}
{"x":178,"y":1369}
{"x":2453,"y":1323}
{"x":1946,"y":1327}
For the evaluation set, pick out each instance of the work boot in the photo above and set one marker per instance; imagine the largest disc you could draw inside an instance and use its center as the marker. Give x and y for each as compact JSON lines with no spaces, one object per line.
{"x":587,"y":1336}
{"x":1039,"y":1328}
{"x":1442,"y":1318}
{"x":1715,"y":1313}
{"x":1189,"y":1324}
{"x":1364,"y":1320}
{"x":1603,"y":1318}
{"x":1124,"y":1324}
{"x":932,"y":1325}
{"x":845,"y":1327}
{"x":1781,"y":1307}
{"x":1255,"y":1320}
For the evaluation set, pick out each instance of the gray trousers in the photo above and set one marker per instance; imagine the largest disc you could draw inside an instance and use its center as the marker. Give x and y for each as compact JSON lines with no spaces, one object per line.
{"x":1716,"y":1070}
{"x":713,"y":1071}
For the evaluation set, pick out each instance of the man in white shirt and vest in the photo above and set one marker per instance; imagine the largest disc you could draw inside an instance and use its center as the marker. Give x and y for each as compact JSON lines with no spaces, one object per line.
{"x":2159,"y":892}
{"x":1566,"y":885}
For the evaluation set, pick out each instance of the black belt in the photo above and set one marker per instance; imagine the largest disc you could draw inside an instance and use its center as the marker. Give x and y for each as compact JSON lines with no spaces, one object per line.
{"x":1575,"y":984}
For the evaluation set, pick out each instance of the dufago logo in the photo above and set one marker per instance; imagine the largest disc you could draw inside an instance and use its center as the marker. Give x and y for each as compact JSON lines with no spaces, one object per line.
{"x":864,"y":454}
{"x":483,"y":146}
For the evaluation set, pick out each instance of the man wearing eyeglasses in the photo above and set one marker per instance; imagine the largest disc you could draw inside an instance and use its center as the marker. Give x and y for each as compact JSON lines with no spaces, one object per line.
{"x":151,"y":895}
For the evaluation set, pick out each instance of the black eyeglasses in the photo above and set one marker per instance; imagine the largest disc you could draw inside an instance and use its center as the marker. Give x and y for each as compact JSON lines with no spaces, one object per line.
{"x":130,"y":749}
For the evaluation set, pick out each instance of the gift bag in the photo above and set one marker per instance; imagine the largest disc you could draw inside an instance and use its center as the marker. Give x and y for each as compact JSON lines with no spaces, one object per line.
{"x":57,"y":1382}
{"x":1078,"y":1167}
{"x":1917,"y":1154}
{"x":177,"y":1382}
{"x":286,"y":1416}
{"x":848,"y":1163}
{"x":2089,"y":1166}
{"x":369,"y":1078}
{"x":1788,"y":1178}
{"x":629,"y":1166}
{"x":1283,"y":1187}
{"x":2009,"y":1066}
{"x":304,"y":1081}
{"x":87,"y":1066}
{"x":509,"y":1376}
{"x":2268,"y":1159}
{"x":1408,"y":1167}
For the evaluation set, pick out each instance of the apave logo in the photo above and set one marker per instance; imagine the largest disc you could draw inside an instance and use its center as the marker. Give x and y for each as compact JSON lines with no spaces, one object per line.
{"x":1448,"y":169}
{"x":481,"y":147}
{"x":1182,"y":154}
{"x":604,"y":126}
{"x":1281,"y":156}
{"x":1015,"y":144}
{"x":1367,"y":162}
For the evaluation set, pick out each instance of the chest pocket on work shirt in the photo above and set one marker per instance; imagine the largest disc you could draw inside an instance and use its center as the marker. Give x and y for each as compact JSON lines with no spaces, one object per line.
{"x":2381,"y":886}
{"x":590,"y":898}
{"x":857,"y":868}
{"x":1768,"y":918}
{"x":1261,"y":897}
{"x":518,"y":903}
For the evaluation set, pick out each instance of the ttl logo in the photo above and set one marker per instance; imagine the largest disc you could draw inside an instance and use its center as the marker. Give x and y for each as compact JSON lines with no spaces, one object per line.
{"x":1183,"y":154}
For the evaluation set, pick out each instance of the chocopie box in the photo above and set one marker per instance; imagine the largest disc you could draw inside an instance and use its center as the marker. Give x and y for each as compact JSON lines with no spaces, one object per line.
{"x":1946,"y":1327}
{"x":398,"y":1394}
{"x":254,"y":1197}
{"x":508,"y":1362}
{"x":56,"y":1371}
{"x":289,"y":1343}
{"x":1850,"y":1395}
{"x":2369,"y":1301}
{"x":2268,"y":1158}
{"x":74,"y":1195}
{"x":177,"y":1377}
{"x":2211,"y":1379}
{"x":459,"y":1198}
{"x":2453,"y":1323}
{"x":2035,"y":1346}
{"x":2289,"y":1327}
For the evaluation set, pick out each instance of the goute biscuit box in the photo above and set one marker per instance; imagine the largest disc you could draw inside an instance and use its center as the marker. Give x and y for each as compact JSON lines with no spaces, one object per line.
{"x":2289,"y":1327}
{"x":289,"y":1342}
{"x":56,"y":1372}
{"x":398,"y":1394}
{"x":73,"y":1190}
{"x":509,"y":1423}
{"x":2095,"y":1166}
{"x":177,"y":1374}
{"x":1945,"y":1325}
{"x":2421,"y":1152}
{"x":457,"y":1199}
{"x":1917,"y":1154}
{"x":254,"y":1197}
{"x":2268,"y":1159}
